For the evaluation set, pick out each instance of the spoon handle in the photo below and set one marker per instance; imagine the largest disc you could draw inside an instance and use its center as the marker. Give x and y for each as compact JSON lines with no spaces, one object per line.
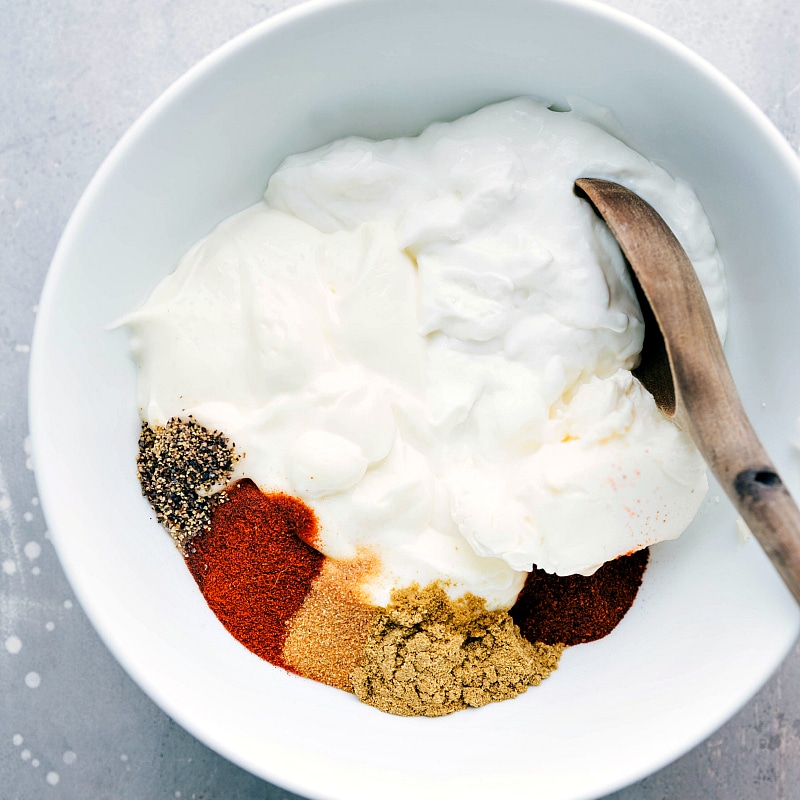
{"x":684,"y":367}
{"x":708,"y":407}
{"x":738,"y":460}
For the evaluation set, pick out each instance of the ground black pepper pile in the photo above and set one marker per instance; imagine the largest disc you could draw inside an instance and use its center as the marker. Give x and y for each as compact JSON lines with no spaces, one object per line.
{"x":179,"y":466}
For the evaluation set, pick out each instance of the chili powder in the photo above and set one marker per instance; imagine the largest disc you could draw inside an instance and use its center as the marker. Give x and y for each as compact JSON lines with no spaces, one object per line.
{"x":253,"y":567}
{"x":575,"y":609}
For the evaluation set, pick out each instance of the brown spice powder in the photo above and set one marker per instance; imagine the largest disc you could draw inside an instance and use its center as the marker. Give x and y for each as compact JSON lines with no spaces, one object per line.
{"x":574,"y":609}
{"x":430,"y":655}
{"x":328,"y":636}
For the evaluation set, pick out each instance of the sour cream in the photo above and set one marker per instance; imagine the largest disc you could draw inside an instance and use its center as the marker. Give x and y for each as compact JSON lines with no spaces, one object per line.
{"x":429,"y":340}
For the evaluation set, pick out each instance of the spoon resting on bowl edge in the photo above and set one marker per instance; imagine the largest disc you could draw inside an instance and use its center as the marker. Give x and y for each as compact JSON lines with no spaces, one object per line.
{"x":684,"y":368}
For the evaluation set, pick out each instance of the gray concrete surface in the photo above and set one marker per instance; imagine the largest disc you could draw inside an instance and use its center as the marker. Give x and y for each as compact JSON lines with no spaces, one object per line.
{"x":74,"y":74}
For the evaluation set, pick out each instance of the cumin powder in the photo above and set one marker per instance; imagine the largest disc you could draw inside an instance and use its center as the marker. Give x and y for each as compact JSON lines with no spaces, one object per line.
{"x":430,"y":656}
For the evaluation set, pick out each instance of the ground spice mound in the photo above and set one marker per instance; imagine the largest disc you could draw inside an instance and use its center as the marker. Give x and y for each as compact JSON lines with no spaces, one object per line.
{"x":430,"y":656}
{"x":329,"y":634}
{"x":179,"y":465}
{"x":576,"y":609}
{"x":253,"y":567}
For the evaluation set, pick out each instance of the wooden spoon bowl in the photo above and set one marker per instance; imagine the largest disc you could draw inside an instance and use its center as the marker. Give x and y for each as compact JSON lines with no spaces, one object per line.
{"x":684,"y":368}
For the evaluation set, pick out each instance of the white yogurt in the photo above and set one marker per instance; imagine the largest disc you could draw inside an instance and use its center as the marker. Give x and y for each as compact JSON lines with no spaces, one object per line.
{"x":429,"y":340}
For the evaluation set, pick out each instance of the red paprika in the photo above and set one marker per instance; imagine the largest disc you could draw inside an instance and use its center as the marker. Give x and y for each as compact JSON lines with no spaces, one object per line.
{"x":253,"y":567}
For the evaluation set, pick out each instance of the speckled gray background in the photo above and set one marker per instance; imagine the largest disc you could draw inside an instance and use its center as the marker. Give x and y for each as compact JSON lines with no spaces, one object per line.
{"x":74,"y":74}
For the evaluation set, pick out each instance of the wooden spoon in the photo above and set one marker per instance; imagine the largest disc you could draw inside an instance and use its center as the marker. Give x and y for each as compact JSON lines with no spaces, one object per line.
{"x":684,"y":368}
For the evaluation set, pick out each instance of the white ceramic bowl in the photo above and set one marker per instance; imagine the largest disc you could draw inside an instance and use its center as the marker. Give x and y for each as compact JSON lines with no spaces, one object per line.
{"x":712,"y":620}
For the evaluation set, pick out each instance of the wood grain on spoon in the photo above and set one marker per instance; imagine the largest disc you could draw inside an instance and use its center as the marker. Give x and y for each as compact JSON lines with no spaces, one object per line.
{"x":683,"y":366}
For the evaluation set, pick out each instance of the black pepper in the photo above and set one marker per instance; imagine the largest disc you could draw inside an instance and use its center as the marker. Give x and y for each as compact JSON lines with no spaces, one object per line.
{"x":181,"y":466}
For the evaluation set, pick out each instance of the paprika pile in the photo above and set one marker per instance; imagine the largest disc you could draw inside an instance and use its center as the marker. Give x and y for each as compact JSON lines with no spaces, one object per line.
{"x":253,"y":567}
